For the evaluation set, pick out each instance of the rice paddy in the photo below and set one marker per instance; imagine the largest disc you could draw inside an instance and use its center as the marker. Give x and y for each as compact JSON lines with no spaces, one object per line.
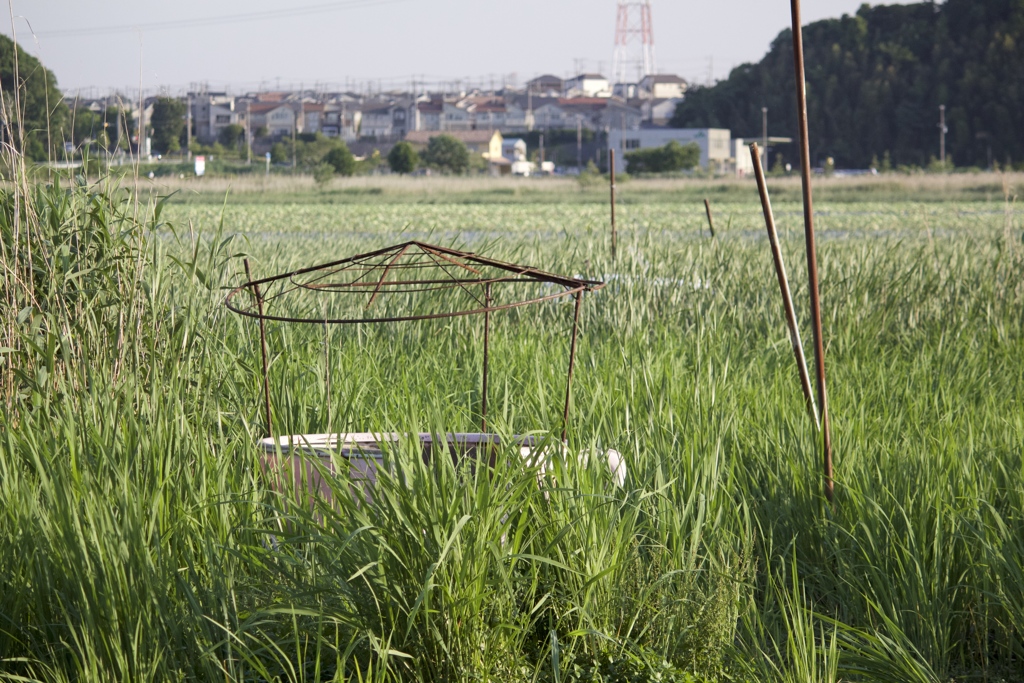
{"x":139,"y":541}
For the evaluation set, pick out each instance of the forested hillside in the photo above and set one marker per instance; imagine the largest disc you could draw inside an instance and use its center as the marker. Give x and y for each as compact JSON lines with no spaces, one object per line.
{"x":875,"y":82}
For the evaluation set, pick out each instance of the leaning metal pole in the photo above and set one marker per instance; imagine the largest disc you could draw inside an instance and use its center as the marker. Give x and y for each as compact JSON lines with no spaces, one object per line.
{"x":812,"y":259}
{"x":611,"y":183}
{"x":263,"y":349}
{"x":572,"y":360}
{"x":787,"y":297}
{"x":487,"y":346}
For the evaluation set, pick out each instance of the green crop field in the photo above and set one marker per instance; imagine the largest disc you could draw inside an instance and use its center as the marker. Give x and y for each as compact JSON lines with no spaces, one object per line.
{"x":138,"y":540}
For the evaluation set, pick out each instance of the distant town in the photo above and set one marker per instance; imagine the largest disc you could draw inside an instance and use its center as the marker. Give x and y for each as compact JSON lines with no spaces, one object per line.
{"x":549,"y":123}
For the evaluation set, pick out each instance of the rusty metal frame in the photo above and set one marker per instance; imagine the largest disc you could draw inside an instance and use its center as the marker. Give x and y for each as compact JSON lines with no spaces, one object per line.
{"x":467,"y":261}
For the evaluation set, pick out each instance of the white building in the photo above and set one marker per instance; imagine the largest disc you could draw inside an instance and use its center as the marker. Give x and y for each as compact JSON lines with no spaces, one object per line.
{"x":513,"y":149}
{"x":716,"y":150}
{"x":744,"y":165}
{"x":663,"y":87}
{"x":588,"y":85}
{"x":211,"y":114}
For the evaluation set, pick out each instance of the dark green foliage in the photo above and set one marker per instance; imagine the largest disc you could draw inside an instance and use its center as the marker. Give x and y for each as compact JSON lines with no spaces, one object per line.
{"x":278,"y":153}
{"x":233,"y":136}
{"x":323,"y":173}
{"x":447,"y":154}
{"x":42,"y":114}
{"x":671,"y":157}
{"x":340,"y":159}
{"x":875,"y":81}
{"x":167,"y":122}
{"x":403,"y":158}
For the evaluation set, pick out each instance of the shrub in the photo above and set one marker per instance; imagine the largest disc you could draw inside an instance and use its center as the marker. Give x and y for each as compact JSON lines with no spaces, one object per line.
{"x":403,"y":158}
{"x":340,"y":159}
{"x":447,"y":154}
{"x":671,"y":157}
{"x":323,"y":173}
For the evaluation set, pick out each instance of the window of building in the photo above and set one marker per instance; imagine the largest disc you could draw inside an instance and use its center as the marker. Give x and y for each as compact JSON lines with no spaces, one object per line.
{"x":223,"y":118}
{"x":633,"y":143}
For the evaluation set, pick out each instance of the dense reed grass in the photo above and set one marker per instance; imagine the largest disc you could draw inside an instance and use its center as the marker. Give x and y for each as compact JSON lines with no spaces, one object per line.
{"x":139,"y":542}
{"x":274,"y":189}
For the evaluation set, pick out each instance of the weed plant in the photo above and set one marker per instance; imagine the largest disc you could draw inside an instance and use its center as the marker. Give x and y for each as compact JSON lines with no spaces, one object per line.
{"x":138,"y":540}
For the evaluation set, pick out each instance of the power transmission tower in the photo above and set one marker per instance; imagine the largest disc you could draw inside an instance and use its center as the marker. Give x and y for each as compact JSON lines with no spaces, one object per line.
{"x":634,"y":41}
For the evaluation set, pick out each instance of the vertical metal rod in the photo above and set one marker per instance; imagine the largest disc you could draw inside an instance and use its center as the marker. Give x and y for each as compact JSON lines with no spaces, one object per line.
{"x":787,"y":297}
{"x":611,"y":176}
{"x":487,"y":345}
{"x":812,"y":259}
{"x":572,"y":361}
{"x":327,"y":371}
{"x":263,"y":349}
{"x":711,"y":223}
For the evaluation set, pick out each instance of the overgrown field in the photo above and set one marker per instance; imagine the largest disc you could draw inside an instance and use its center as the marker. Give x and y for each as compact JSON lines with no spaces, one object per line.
{"x":139,"y":542}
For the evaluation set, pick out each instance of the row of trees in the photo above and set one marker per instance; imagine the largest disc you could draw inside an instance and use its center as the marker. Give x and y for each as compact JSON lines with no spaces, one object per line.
{"x":875,"y":81}
{"x":671,"y":157}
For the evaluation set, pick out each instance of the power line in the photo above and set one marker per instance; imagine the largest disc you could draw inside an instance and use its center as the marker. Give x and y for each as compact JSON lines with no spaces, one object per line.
{"x":218,"y":20}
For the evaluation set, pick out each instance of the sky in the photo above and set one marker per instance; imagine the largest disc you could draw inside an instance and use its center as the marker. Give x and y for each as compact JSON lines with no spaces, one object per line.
{"x":93,"y":47}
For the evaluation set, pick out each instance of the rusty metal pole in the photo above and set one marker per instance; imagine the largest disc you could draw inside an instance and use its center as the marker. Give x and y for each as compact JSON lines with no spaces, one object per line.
{"x":611,"y":176}
{"x":487,"y":345}
{"x":572,"y":360}
{"x":787,"y":297}
{"x":812,"y":259}
{"x":263,"y":349}
{"x":711,"y":223}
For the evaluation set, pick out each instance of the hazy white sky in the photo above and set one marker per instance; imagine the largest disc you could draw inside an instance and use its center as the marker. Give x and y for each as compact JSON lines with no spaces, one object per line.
{"x":345,"y":42}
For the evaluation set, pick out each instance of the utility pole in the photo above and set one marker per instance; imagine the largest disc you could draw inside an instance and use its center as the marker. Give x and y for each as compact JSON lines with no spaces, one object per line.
{"x":248,"y":132}
{"x":942,"y":135}
{"x":188,"y":125}
{"x":764,"y":137}
{"x":579,"y":143}
{"x":295,"y":125}
{"x":542,"y":151}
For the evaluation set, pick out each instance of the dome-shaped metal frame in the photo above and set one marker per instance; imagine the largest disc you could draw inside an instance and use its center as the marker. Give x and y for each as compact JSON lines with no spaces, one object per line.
{"x":408,"y":268}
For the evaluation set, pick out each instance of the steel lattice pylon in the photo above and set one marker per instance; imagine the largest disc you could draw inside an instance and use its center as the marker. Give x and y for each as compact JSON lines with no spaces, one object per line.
{"x":634,"y":42}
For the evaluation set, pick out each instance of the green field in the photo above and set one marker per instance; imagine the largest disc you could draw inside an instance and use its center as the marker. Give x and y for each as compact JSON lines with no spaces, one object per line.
{"x":138,"y":540}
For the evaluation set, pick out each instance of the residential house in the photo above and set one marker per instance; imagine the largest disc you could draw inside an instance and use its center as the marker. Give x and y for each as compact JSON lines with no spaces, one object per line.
{"x":312,"y":117}
{"x":517,"y":116}
{"x":587,"y":85}
{"x":385,"y":123}
{"x":487,"y":113}
{"x":513,"y":149}
{"x":593,"y":113}
{"x":546,"y":86}
{"x":486,"y":143}
{"x":663,"y":87}
{"x":211,"y":114}
{"x":656,"y":112}
{"x":340,"y":121}
{"x":278,"y":118}
{"x":426,"y":115}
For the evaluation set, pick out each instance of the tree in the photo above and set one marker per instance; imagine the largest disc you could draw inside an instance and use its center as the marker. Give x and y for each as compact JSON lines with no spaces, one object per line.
{"x":322,"y":174}
{"x":233,"y":136}
{"x":279,"y":153}
{"x":875,"y":81}
{"x":447,"y":154}
{"x":403,"y":158}
{"x":341,"y":159}
{"x":671,"y":157}
{"x":167,"y":121}
{"x":43,"y":116}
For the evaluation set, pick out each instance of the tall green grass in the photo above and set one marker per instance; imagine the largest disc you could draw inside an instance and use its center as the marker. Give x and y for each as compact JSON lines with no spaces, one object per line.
{"x":139,"y":542}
